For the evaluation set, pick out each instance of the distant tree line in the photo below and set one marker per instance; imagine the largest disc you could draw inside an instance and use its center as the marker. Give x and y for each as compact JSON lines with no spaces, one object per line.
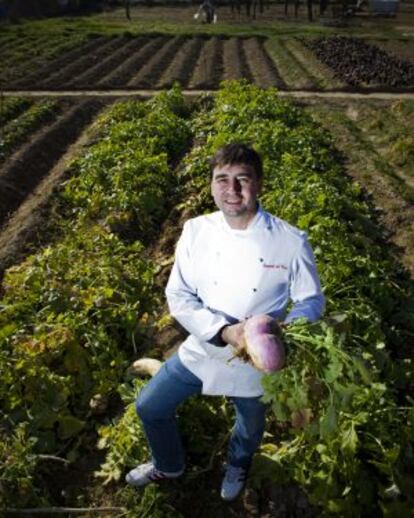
{"x":15,"y":9}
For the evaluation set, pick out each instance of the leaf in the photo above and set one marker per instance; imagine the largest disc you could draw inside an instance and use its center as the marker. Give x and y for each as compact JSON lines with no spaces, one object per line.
{"x":350,"y":440}
{"x":328,"y":423}
{"x":69,"y":426}
{"x":363,"y":371}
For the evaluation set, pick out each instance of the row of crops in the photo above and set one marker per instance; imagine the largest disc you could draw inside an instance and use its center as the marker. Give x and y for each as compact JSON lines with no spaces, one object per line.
{"x":63,"y":57}
{"x":73,"y":316}
{"x":19,"y":117}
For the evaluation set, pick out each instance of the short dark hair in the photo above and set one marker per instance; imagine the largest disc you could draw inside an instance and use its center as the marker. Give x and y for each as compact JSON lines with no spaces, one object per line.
{"x":237,"y":154}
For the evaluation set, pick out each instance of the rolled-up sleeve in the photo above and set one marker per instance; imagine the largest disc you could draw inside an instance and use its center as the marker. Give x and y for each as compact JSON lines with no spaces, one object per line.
{"x":183,"y":302}
{"x":305,"y":288}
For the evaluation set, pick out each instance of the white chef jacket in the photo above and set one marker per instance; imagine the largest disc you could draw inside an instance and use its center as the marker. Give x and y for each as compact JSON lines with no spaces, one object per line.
{"x":222,"y":276}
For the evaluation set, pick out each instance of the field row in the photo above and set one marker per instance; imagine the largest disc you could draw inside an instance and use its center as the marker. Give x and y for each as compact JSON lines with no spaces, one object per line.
{"x":198,"y":62}
{"x":156,"y":62}
{"x":32,"y":143}
{"x":35,"y":135}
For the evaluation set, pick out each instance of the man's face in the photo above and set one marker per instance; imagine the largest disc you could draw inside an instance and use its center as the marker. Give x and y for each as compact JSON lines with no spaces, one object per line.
{"x":235,"y":189}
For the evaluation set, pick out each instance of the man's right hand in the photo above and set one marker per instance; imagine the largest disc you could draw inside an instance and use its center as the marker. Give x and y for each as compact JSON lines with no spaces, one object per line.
{"x":234,"y":335}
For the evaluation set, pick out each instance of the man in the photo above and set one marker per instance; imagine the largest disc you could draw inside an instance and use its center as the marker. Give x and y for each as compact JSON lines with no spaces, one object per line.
{"x":206,"y":12}
{"x":229,"y":265}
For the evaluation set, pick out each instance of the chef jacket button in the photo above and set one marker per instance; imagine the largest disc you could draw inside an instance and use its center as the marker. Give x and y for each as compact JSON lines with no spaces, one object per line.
{"x":261,"y":259}
{"x":254,"y":289}
{"x":215,"y":283}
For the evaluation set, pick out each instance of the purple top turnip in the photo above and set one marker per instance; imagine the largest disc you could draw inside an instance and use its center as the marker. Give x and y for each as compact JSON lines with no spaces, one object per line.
{"x":264,"y":348}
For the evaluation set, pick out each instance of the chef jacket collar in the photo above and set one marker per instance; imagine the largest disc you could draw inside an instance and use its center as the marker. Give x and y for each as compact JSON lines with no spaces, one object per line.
{"x":258,"y":218}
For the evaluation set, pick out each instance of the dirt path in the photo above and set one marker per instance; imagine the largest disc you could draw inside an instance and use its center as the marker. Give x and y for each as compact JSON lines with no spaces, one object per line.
{"x":147,"y":92}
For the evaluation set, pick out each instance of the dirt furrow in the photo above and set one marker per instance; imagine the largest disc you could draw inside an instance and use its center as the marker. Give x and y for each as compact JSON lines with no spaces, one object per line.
{"x":10,"y":49}
{"x":292,"y":74}
{"x":59,"y":64}
{"x":107,"y":66}
{"x":232,"y":62}
{"x":127,"y":69}
{"x":209,"y":69}
{"x":183,"y":65}
{"x":262,"y":69}
{"x":26,"y":168}
{"x":27,"y":230}
{"x":298,"y":59}
{"x":78,"y":67}
{"x":150,"y":73}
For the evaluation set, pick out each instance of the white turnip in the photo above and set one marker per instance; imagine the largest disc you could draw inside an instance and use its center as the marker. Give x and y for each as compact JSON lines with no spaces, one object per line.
{"x":145,"y":366}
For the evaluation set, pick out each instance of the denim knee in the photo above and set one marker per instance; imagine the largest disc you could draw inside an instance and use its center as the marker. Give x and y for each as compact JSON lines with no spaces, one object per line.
{"x":145,"y":407}
{"x":250,"y":416}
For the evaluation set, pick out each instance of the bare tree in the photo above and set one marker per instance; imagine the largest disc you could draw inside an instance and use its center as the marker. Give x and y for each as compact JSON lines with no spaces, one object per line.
{"x":128,"y":9}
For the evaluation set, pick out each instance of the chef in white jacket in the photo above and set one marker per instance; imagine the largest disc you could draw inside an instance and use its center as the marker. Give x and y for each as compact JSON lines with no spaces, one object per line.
{"x":232,"y":264}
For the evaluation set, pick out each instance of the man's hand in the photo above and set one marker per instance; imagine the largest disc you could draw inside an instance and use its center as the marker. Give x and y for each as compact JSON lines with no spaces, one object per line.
{"x":234,"y":335}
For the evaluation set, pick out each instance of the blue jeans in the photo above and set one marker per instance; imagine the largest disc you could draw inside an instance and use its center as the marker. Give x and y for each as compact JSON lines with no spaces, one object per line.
{"x":156,"y":405}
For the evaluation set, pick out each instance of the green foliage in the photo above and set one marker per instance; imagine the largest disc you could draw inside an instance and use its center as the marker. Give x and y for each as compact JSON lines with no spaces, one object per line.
{"x":11,"y":107}
{"x":124,"y":440}
{"x":73,"y":315}
{"x":17,"y":130}
{"x":125,"y":178}
{"x":18,"y":464}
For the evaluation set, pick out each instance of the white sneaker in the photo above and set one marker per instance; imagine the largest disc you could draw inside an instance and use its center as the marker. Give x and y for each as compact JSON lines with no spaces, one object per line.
{"x":146,"y":473}
{"x":233,"y":482}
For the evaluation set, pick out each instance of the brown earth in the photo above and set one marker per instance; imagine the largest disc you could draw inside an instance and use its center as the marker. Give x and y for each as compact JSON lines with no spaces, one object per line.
{"x":403,"y":49}
{"x":156,"y":62}
{"x":232,"y":59}
{"x":395,"y":212}
{"x":153,"y":69}
{"x":67,"y":59}
{"x":262,"y":68}
{"x":65,"y":75}
{"x":106,"y":66}
{"x":132,"y":66}
{"x":30,"y":176}
{"x":181,"y":68}
{"x":209,"y":68}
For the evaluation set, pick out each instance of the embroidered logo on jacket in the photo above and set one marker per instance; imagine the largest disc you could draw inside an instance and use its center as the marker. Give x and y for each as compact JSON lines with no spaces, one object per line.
{"x":275,"y":266}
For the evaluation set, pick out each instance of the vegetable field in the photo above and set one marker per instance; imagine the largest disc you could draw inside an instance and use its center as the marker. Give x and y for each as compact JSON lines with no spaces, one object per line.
{"x":94,"y":191}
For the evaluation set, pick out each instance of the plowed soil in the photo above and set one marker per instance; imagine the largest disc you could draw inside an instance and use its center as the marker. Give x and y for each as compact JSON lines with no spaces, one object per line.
{"x":25,"y":169}
{"x":262,"y":68}
{"x":29,"y":178}
{"x":156,"y":62}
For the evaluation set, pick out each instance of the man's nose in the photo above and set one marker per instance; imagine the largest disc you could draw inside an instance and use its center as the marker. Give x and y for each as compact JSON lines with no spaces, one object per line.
{"x":234,"y":185}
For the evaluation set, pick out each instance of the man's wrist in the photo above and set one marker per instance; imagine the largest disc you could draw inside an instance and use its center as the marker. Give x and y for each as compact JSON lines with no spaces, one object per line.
{"x":222,"y":333}
{"x":218,"y":339}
